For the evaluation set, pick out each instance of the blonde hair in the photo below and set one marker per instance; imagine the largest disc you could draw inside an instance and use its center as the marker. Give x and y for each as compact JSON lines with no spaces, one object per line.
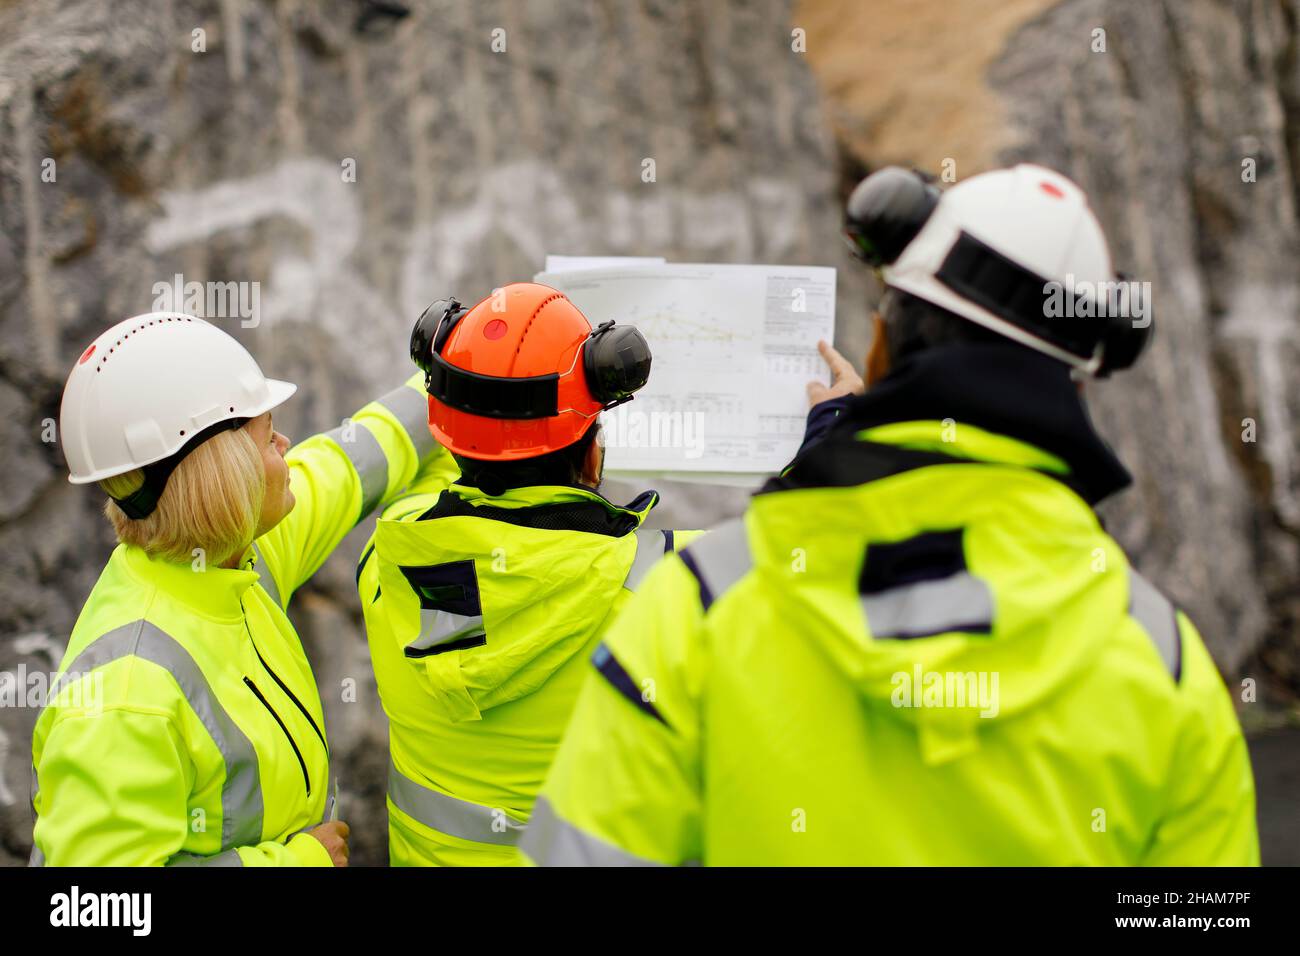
{"x":213,"y":500}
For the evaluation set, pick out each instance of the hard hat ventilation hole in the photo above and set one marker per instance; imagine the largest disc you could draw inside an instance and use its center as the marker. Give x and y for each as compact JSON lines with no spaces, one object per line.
{"x":536,"y":312}
{"x":103,"y":359}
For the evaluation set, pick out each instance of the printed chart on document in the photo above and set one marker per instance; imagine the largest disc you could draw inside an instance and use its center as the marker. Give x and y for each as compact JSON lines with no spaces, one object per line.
{"x":733,"y":347}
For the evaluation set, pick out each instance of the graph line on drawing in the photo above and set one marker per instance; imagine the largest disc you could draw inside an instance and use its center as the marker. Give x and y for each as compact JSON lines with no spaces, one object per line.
{"x":678,"y":325}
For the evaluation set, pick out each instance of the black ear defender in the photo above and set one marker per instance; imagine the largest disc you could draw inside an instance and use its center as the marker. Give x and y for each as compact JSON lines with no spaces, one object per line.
{"x":1123,"y":342}
{"x":616,"y":359}
{"x":431,"y":331}
{"x":885,"y":212}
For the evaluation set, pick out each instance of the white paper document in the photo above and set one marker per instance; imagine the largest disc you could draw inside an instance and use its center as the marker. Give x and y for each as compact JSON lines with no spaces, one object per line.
{"x":578,"y":263}
{"x":733,"y":346}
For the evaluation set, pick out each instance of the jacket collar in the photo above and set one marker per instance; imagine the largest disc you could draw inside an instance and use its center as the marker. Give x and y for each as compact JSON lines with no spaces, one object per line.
{"x":572,"y":507}
{"x":531,"y":495}
{"x":213,"y":592}
{"x":1005,"y":391}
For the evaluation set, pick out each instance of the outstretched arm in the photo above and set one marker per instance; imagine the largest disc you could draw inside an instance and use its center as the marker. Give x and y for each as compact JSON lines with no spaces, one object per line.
{"x":341,"y":476}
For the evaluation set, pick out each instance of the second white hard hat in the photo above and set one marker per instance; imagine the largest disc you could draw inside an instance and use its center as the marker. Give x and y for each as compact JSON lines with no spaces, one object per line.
{"x":1013,"y":250}
{"x":1034,"y":217}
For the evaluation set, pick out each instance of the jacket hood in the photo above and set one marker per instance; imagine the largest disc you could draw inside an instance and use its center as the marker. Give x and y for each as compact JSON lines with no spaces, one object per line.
{"x":961,"y":486}
{"x":526,"y":564}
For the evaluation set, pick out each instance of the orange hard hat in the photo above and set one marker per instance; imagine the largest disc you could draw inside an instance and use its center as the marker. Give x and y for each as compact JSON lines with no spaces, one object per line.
{"x":522,"y":373}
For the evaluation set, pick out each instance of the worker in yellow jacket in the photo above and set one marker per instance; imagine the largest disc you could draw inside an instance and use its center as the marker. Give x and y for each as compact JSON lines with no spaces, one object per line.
{"x":919,"y":646}
{"x":484,"y":598}
{"x":185,"y":727}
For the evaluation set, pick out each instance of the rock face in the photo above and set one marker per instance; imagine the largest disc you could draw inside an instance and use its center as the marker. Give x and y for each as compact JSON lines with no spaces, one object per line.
{"x":358,"y":166}
{"x":356,"y":174}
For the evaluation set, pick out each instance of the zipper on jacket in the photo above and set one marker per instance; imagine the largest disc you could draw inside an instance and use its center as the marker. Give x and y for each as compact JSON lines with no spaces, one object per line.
{"x":296,"y":752}
{"x":293,"y":697}
{"x":285,"y":687}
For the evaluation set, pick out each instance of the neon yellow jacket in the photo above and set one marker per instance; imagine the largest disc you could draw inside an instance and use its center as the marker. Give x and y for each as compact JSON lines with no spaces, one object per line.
{"x":481,"y":613}
{"x":186,"y":727}
{"x":919,"y":649}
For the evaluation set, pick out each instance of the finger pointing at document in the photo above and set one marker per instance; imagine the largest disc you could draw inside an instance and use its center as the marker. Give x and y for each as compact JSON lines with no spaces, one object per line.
{"x":844,"y":378}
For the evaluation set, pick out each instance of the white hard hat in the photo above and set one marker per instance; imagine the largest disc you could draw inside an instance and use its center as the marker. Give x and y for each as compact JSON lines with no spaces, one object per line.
{"x":1030,"y":214}
{"x":987,"y":248}
{"x":149,"y":385}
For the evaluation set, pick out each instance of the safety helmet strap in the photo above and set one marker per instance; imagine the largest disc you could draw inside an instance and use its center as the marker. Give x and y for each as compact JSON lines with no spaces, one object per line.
{"x":144,"y":500}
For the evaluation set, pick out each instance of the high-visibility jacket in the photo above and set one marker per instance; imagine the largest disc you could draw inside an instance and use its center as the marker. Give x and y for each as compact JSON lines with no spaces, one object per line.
{"x":185,"y":726}
{"x":481,"y":612}
{"x":918,"y":647}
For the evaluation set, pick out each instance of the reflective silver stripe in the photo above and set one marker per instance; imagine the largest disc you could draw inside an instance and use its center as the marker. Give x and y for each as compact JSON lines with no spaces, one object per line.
{"x":551,"y":841}
{"x":37,"y":858}
{"x":229,"y":858}
{"x":447,"y":814}
{"x":961,"y":602}
{"x":719,"y":559}
{"x":266,"y":579}
{"x":439,"y":627}
{"x":650,"y":547}
{"x":1158,"y":617}
{"x":411,"y":408}
{"x":241,"y":793}
{"x":368,"y":458}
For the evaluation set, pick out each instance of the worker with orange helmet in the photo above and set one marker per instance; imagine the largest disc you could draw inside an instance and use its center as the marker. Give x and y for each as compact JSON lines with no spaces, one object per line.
{"x":485,"y":598}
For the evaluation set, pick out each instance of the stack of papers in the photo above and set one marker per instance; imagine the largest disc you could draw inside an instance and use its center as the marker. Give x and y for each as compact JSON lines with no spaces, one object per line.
{"x":734,"y":347}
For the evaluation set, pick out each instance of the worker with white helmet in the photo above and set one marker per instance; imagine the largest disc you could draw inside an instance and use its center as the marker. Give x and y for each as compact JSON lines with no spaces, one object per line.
{"x":919,"y":646}
{"x":185,"y":727}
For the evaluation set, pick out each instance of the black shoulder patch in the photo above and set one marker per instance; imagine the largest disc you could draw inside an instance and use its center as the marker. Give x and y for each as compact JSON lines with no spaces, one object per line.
{"x":445,"y":587}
